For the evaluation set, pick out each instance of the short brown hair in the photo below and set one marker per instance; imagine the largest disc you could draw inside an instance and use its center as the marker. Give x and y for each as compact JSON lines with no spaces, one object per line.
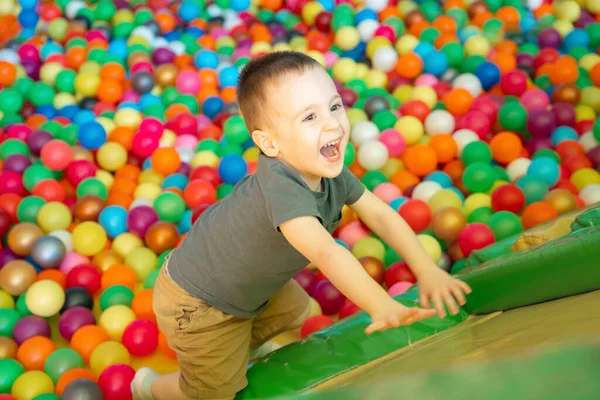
{"x":258,"y":74}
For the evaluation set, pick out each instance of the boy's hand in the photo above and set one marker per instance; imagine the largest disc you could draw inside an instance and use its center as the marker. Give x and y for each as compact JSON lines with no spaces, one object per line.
{"x":394,"y":314}
{"x":438,"y":287}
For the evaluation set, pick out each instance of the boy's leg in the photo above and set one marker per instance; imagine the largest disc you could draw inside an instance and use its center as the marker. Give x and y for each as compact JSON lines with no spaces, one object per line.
{"x":286,"y":311}
{"x":211,"y":346}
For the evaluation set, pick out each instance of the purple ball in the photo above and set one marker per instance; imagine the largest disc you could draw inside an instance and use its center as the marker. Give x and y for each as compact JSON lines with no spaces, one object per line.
{"x":140,"y":218}
{"x":541,"y":123}
{"x":17,"y":163}
{"x":29,"y":327}
{"x":549,"y":37}
{"x":278,"y":31}
{"x":525,"y":60}
{"x":539,"y":143}
{"x":184,"y":169}
{"x":564,"y":114}
{"x":73,"y":319}
{"x":6,"y":256}
{"x":307,"y":280}
{"x":32,"y":69}
{"x":585,"y":18}
{"x":163,"y":56}
{"x":37,"y":140}
{"x":329,"y":297}
{"x":594,"y":156}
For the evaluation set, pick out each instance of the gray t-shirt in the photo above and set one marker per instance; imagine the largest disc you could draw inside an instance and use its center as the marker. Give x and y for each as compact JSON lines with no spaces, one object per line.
{"x":234,"y":256}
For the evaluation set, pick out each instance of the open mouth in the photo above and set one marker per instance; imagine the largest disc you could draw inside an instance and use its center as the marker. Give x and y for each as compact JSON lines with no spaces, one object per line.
{"x":331,"y":150}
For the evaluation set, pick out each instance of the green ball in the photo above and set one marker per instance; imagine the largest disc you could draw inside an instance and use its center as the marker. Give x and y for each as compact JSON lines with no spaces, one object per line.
{"x":161,"y":259}
{"x":52,"y":127}
{"x":155,"y":110}
{"x":34,"y":174}
{"x":534,"y":188}
{"x":46,"y":396}
{"x":458,"y":266}
{"x":547,"y":153}
{"x":10,"y":370}
{"x":501,"y":174}
{"x":142,"y":16}
{"x":529,"y":48}
{"x":430,"y":9}
{"x":105,"y":10}
{"x":593,"y":32}
{"x":479,"y":177}
{"x":116,"y":295}
{"x":230,"y":148}
{"x":208,"y":145}
{"x":505,"y":224}
{"x":41,"y":94}
{"x":481,"y":215}
{"x":60,"y":361}
{"x":92,"y":187}
{"x":396,"y":24}
{"x":455,"y":53}
{"x":69,"y":134}
{"x":459,"y":15}
{"x":169,"y":95}
{"x":372,"y":179}
{"x":13,"y":146}
{"x":429,"y":35}
{"x":350,"y":155}
{"x":235,"y":130}
{"x":223,"y":190}
{"x":150,"y":280}
{"x":190,"y":102}
{"x":65,"y":81}
{"x":512,"y":117}
{"x":470,"y":64}
{"x":21,"y":306}
{"x":29,"y":207}
{"x":595,"y":131}
{"x":22,"y":85}
{"x":359,"y":86}
{"x":123,"y":30}
{"x":477,"y":151}
{"x":8,"y":320}
{"x":384,"y":119}
{"x":11,"y":101}
{"x":391,"y":257}
{"x":10,"y":119}
{"x":170,"y":207}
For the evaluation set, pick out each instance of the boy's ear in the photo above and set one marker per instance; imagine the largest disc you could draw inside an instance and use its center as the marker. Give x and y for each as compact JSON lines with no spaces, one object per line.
{"x":265,"y":142}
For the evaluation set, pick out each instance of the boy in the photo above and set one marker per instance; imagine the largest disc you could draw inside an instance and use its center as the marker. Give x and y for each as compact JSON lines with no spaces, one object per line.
{"x":229,"y":286}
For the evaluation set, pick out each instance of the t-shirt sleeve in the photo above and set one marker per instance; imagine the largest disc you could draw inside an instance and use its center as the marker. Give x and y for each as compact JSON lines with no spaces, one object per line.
{"x":354,"y":187}
{"x":287,"y":197}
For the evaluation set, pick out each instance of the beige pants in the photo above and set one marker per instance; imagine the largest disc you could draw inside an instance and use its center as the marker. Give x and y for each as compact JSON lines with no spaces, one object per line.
{"x":213,"y":347}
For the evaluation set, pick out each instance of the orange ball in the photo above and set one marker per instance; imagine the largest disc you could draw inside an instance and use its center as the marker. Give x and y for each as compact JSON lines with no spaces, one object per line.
{"x":455,"y":169}
{"x":164,"y":346}
{"x":109,"y":91}
{"x":34,"y":351}
{"x":409,"y":65}
{"x":537,"y":213}
{"x":421,"y":159}
{"x":506,"y":147}
{"x":8,"y":73}
{"x":53,"y":275}
{"x":141,"y":305}
{"x":86,"y":339}
{"x":119,"y":274}
{"x":444,"y":146}
{"x":565,"y":70}
{"x":72,"y":375}
{"x":128,"y":171}
{"x":458,"y":101}
{"x":165,"y":160}
{"x":404,"y":179}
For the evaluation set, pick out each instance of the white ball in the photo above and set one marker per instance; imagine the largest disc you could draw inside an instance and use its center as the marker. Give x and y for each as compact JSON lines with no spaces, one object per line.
{"x":231,"y":23}
{"x":372,"y":155}
{"x":186,"y":155}
{"x":438,"y":122}
{"x":518,"y":168}
{"x":214,"y":10}
{"x":376,"y":5}
{"x":463,"y":137}
{"x":534,"y":4}
{"x":10,"y":56}
{"x":144,"y":32}
{"x":72,"y":8}
{"x":425,"y":190}
{"x":588,"y":141}
{"x":177,"y":47}
{"x":366,"y":29}
{"x":64,"y":237}
{"x":141,"y":201}
{"x":444,"y":262}
{"x":159,"y":42}
{"x":385,"y":59}
{"x":590,"y":194}
{"x":468,"y":82}
{"x":363,"y":131}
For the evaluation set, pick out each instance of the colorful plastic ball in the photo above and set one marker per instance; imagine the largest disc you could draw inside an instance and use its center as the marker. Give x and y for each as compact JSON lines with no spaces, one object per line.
{"x":115,"y":319}
{"x":508,"y":198}
{"x":372,"y":155}
{"x":475,"y":236}
{"x":505,"y":224}
{"x":399,"y":272}
{"x":328,"y":296}
{"x":45,"y":298}
{"x":73,"y":319}
{"x":56,"y":155}
{"x":399,"y":288}
{"x":232,"y":168}
{"x":89,"y":238}
{"x":141,"y":338}
{"x":425,"y":190}
{"x":54,"y":216}
{"x":84,"y":276}
{"x":140,"y":219}
{"x":16,"y":276}
{"x":60,"y":361}
{"x":562,"y":200}
{"x":590,"y":194}
{"x":394,"y":142}
{"x":77,"y":296}
{"x":82,"y":388}
{"x":314,"y":324}
{"x":113,"y":220}
{"x":142,"y":260}
{"x":48,"y":251}
{"x":546,"y":169}
{"x":439,"y":122}
{"x":30,"y":326}
{"x":447,"y":223}
{"x":115,"y":382}
{"x":10,"y":370}
{"x":32,"y":384}
{"x":91,"y":135}
{"x":416,"y":213}
{"x":537,"y":213}
{"x":514,"y":83}
{"x":479,"y":177}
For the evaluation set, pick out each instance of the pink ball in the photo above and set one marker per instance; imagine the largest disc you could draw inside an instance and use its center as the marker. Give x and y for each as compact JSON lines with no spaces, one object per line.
{"x":486,"y":106}
{"x":399,"y":288}
{"x":18,"y":131}
{"x":186,"y":141}
{"x":188,"y":82}
{"x":535,"y":99}
{"x":387,"y":191}
{"x":152,"y":126}
{"x":115,"y":382}
{"x":475,"y":236}
{"x":71,"y":260}
{"x":141,"y":338}
{"x":476,"y":121}
{"x":386,"y":32}
{"x":218,"y":33}
{"x":203,"y":121}
{"x":329,"y":297}
{"x":240,"y":52}
{"x":352,"y":233}
{"x":426,"y":80}
{"x":330,"y":59}
{"x":56,"y":155}
{"x":130,"y":96}
{"x":394,"y":142}
{"x":73,"y":319}
{"x":514,"y":83}
{"x":144,"y":144}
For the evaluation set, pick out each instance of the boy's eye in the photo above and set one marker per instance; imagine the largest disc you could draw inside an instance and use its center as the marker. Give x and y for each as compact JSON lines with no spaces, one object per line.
{"x":310,"y":117}
{"x":336,"y":107}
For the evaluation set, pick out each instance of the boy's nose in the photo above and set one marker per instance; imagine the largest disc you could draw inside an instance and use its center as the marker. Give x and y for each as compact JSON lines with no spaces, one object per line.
{"x":332,"y":124}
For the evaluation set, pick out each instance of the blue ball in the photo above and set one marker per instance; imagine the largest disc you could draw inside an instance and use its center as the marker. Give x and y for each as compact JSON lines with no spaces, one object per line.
{"x":206,"y":59}
{"x":179,"y":181}
{"x":397,"y":202}
{"x":50,"y":48}
{"x":28,"y":4}
{"x":147,"y":163}
{"x":545,"y":169}
{"x":149,"y":99}
{"x":488,"y":74}
{"x":423,"y":50}
{"x":28,"y":18}
{"x":328,"y":5}
{"x":84,"y":116}
{"x":440,"y":177}
{"x":185,"y":223}
{"x":356,"y":53}
{"x":365,"y":14}
{"x":563,"y":133}
{"x":228,"y":76}
{"x":195,"y":32}
{"x":188,"y":11}
{"x":239,"y":5}
{"x":47,"y":110}
{"x":342,"y":244}
{"x":114,"y":220}
{"x":69,"y":111}
{"x":91,"y":135}
{"x":436,"y":63}
{"x":119,"y":48}
{"x":232,"y":168}
{"x":212,"y":106}
{"x":533,"y":187}
{"x":576,"y":38}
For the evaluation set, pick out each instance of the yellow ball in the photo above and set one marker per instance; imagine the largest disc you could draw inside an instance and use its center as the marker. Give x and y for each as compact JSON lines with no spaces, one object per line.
{"x":376,"y":79}
{"x":406,"y":44}
{"x":563,"y":27}
{"x":299,"y":43}
{"x":115,"y":319}
{"x":391,"y":167}
{"x":361,"y":71}
{"x":6,"y":300}
{"x":111,"y":156}
{"x":125,"y":243}
{"x":476,"y":200}
{"x":143,"y":261}
{"x":90,"y":67}
{"x":281,"y":47}
{"x":588,"y":61}
{"x":7,"y":7}
{"x":317,"y":56}
{"x":205,"y":157}
{"x":445,"y":198}
{"x":375,"y":44}
{"x":63,"y":99}
{"x":411,"y":128}
{"x":107,"y":124}
{"x":260,"y":47}
{"x":567,"y":10}
{"x":403,"y":93}
{"x":49,"y":71}
{"x":225,"y":41}
{"x":477,"y":46}
{"x":369,"y":247}
{"x":315,"y":308}
{"x":86,"y":84}
{"x":590,"y":96}
{"x":107,"y":354}
{"x":251,"y":154}
{"x":310,"y":12}
{"x":148,"y":190}
{"x":54,"y":216}
{"x":426,"y":94}
{"x":431,"y":246}
{"x":105,"y":177}
{"x":584,"y":177}
{"x":347,"y":38}
{"x":406,"y":6}
{"x":45,"y":298}
{"x":496,"y":185}
{"x":89,"y":238}
{"x":128,"y":117}
{"x":133,"y":40}
{"x":32,"y":384}
{"x":344,"y":70}
{"x":356,"y":115}
{"x":583,"y":113}
{"x":593,"y":6}
{"x":150,"y":176}
{"x":167,"y":139}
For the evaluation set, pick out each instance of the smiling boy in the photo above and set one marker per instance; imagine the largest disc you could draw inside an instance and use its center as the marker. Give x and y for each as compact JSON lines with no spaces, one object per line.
{"x":229,"y":286}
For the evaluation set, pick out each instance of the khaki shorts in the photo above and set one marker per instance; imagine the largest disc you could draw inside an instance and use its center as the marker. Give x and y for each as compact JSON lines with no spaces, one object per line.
{"x":213,"y":347}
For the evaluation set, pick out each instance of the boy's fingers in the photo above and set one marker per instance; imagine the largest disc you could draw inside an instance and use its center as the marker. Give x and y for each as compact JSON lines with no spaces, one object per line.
{"x":424,"y":301}
{"x":450,"y":303}
{"x":466,"y":288}
{"x":459,"y":295}
{"x":439,"y":305}
{"x":424,"y":314}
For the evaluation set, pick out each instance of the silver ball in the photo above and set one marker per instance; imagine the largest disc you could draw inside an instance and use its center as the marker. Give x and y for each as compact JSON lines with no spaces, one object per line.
{"x":48,"y":251}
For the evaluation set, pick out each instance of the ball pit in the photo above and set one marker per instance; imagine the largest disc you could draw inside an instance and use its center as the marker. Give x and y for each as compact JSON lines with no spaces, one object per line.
{"x":119,"y":127}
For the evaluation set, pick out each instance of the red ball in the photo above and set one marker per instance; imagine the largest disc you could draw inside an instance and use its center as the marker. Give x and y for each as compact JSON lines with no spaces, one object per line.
{"x":328,"y":296}
{"x":11,"y":182}
{"x":115,"y":382}
{"x":314,"y":324}
{"x":416,"y":213}
{"x":508,"y":198}
{"x":184,"y":124}
{"x":140,"y":338}
{"x":415,"y":108}
{"x":49,"y":190}
{"x":209,"y":174}
{"x":199,"y":192}
{"x":5,"y":222}
{"x":307,"y":279}
{"x":475,"y":236}
{"x":349,"y":309}
{"x":478,"y":122}
{"x":399,"y":272}
{"x":85,"y":276}
{"x":79,"y":170}
{"x":198,"y":211}
{"x":323,"y":21}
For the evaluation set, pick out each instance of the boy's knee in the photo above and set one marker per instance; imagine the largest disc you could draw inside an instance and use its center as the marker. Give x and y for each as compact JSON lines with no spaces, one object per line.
{"x":298,"y":322}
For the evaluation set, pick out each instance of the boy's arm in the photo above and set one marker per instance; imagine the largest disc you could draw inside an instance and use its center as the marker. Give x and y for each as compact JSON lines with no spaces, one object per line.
{"x":343,"y":270}
{"x":434,"y":283}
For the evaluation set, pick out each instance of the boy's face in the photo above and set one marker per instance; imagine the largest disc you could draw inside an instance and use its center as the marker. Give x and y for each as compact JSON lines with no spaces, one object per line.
{"x":309,"y":125}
